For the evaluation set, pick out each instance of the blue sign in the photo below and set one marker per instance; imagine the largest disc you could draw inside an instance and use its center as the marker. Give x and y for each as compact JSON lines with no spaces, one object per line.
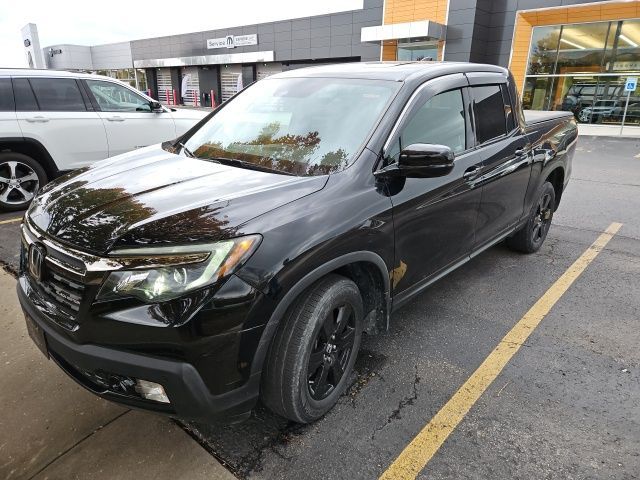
{"x":631,"y":85}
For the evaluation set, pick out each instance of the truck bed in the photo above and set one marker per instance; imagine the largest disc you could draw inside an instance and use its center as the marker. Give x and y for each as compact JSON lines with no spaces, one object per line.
{"x":533,"y":117}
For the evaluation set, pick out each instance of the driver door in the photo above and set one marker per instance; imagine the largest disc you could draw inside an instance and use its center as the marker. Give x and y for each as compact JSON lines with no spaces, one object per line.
{"x":127,"y":117}
{"x":434,"y":218}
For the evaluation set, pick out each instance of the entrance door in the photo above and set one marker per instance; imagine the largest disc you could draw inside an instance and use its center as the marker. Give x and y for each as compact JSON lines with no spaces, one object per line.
{"x":230,"y":78}
{"x":165,"y":88}
{"x":190,"y":90}
{"x":265,"y":70}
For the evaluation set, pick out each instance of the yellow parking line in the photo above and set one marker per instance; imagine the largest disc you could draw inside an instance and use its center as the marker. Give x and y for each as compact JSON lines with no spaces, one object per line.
{"x":11,"y":220}
{"x":424,"y":446}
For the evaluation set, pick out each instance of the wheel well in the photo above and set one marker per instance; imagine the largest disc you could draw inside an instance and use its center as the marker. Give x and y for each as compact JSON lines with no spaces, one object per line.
{"x":368,"y":278}
{"x":33,"y":149}
{"x":556,"y":178}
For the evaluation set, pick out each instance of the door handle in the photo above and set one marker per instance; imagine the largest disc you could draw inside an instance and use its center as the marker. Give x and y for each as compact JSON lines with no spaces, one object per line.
{"x":38,"y":119}
{"x":471,"y":172}
{"x":115,"y":119}
{"x":520,"y":152}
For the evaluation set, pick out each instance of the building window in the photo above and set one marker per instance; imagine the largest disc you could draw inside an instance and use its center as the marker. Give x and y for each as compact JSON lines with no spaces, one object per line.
{"x":582,"y":68}
{"x":417,"y":51}
{"x":136,"y":78}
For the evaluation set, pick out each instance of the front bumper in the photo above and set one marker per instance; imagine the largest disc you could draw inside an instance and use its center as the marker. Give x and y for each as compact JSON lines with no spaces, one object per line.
{"x":189,"y":396}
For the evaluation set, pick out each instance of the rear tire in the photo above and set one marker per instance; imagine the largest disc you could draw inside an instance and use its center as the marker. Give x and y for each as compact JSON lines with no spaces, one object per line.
{"x":20,"y":179}
{"x":313,"y":353}
{"x":530,"y":238}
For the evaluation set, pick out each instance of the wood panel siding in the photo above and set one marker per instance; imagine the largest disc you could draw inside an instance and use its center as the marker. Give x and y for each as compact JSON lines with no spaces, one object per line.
{"x":526,"y":20}
{"x":402,"y":11}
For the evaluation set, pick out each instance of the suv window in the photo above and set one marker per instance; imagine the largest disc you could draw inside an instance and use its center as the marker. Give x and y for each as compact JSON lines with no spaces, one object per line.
{"x":25,"y":99}
{"x":6,"y":96}
{"x":488,"y":107}
{"x":439,"y":121}
{"x":112,"y":97}
{"x":58,"y":94}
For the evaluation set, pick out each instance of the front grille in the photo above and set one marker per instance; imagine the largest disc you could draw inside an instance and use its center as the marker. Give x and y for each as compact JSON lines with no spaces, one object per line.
{"x":65,"y":293}
{"x":61,"y":285}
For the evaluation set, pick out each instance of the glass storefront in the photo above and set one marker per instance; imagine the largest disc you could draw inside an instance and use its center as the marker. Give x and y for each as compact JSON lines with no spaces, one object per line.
{"x":582,"y":68}
{"x":137,"y":78}
{"x":416,"y":50}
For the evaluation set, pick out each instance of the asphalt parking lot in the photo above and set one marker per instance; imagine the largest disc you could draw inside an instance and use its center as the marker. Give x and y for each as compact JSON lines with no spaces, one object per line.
{"x":565,"y":405}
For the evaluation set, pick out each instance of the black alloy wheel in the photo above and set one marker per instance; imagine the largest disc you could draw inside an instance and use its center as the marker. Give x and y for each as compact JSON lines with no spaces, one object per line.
{"x":332,"y":350}
{"x":312,"y":354}
{"x":542,"y":219}
{"x":532,"y":235}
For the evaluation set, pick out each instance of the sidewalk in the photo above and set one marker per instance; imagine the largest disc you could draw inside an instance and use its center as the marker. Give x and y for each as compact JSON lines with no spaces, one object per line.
{"x":50,"y":428}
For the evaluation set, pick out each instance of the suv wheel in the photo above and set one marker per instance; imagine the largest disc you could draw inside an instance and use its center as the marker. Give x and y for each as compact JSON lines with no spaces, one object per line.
{"x":530,"y":238}
{"x":20,"y":178}
{"x":314,"y":350}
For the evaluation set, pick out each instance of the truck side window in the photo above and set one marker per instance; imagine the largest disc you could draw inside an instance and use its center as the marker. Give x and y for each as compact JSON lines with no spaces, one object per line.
{"x":439,"y":121}
{"x":508,"y":108}
{"x":488,"y":107}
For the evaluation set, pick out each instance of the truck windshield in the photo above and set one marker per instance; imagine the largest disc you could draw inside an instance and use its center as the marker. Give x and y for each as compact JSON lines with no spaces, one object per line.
{"x":301,"y":126}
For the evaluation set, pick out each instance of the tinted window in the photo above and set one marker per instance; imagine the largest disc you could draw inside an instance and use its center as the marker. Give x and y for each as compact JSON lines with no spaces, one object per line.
{"x":25,"y":100}
{"x":6,"y":95}
{"x":115,"y":98}
{"x":490,"y":118}
{"x":508,"y":108}
{"x":439,"y":121}
{"x":58,"y":94}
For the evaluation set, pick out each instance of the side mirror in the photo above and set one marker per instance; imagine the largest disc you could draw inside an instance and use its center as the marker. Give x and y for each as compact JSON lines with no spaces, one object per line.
{"x":156,"y":107}
{"x":421,"y":160}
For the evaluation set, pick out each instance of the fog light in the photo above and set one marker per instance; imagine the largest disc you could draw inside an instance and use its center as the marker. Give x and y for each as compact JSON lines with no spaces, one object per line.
{"x":151,"y":391}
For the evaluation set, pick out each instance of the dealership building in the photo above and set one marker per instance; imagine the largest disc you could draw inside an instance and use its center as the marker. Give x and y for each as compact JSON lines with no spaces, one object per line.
{"x":564,"y":54}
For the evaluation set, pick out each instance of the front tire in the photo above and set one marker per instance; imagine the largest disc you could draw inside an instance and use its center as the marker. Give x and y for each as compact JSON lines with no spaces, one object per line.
{"x":530,"y":238}
{"x":313,"y":353}
{"x":20,"y":178}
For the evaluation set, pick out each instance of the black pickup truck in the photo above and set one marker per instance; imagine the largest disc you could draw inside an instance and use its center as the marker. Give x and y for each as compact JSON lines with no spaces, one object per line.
{"x":245,"y":259}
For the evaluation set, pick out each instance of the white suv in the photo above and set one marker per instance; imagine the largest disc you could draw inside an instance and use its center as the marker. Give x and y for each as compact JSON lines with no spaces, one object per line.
{"x":52,"y":121}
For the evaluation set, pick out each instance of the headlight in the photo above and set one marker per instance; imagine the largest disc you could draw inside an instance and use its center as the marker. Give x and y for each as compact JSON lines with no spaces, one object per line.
{"x":190,"y":267}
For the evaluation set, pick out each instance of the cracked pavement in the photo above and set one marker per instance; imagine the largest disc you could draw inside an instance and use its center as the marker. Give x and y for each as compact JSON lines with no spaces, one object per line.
{"x":566,"y":406}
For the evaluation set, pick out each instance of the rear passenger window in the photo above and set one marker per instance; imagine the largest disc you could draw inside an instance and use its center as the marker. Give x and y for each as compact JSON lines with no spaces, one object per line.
{"x":508,"y":108}
{"x":439,"y":121}
{"x":58,"y":94}
{"x":6,"y":95}
{"x":489,"y":112}
{"x":25,"y":99}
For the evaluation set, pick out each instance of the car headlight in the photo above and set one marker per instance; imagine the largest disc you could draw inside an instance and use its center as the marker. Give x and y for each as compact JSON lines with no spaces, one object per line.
{"x":187,"y":268}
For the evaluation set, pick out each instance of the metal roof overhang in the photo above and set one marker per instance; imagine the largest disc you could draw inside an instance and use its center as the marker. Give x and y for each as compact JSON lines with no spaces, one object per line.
{"x":245,"y":57}
{"x":398,"y":31}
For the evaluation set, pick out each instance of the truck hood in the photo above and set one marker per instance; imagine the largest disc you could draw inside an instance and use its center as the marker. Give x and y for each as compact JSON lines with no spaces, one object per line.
{"x":153,"y":197}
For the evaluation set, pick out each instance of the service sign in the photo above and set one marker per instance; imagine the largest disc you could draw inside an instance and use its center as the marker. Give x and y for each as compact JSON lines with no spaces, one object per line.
{"x":232,"y":41}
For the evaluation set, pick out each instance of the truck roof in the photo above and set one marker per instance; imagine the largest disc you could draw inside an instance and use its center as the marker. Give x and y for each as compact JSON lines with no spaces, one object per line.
{"x":395,"y":71}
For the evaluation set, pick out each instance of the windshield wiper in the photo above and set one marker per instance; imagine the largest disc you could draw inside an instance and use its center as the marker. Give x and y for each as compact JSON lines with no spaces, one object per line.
{"x":234,"y":162}
{"x":186,"y":151}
